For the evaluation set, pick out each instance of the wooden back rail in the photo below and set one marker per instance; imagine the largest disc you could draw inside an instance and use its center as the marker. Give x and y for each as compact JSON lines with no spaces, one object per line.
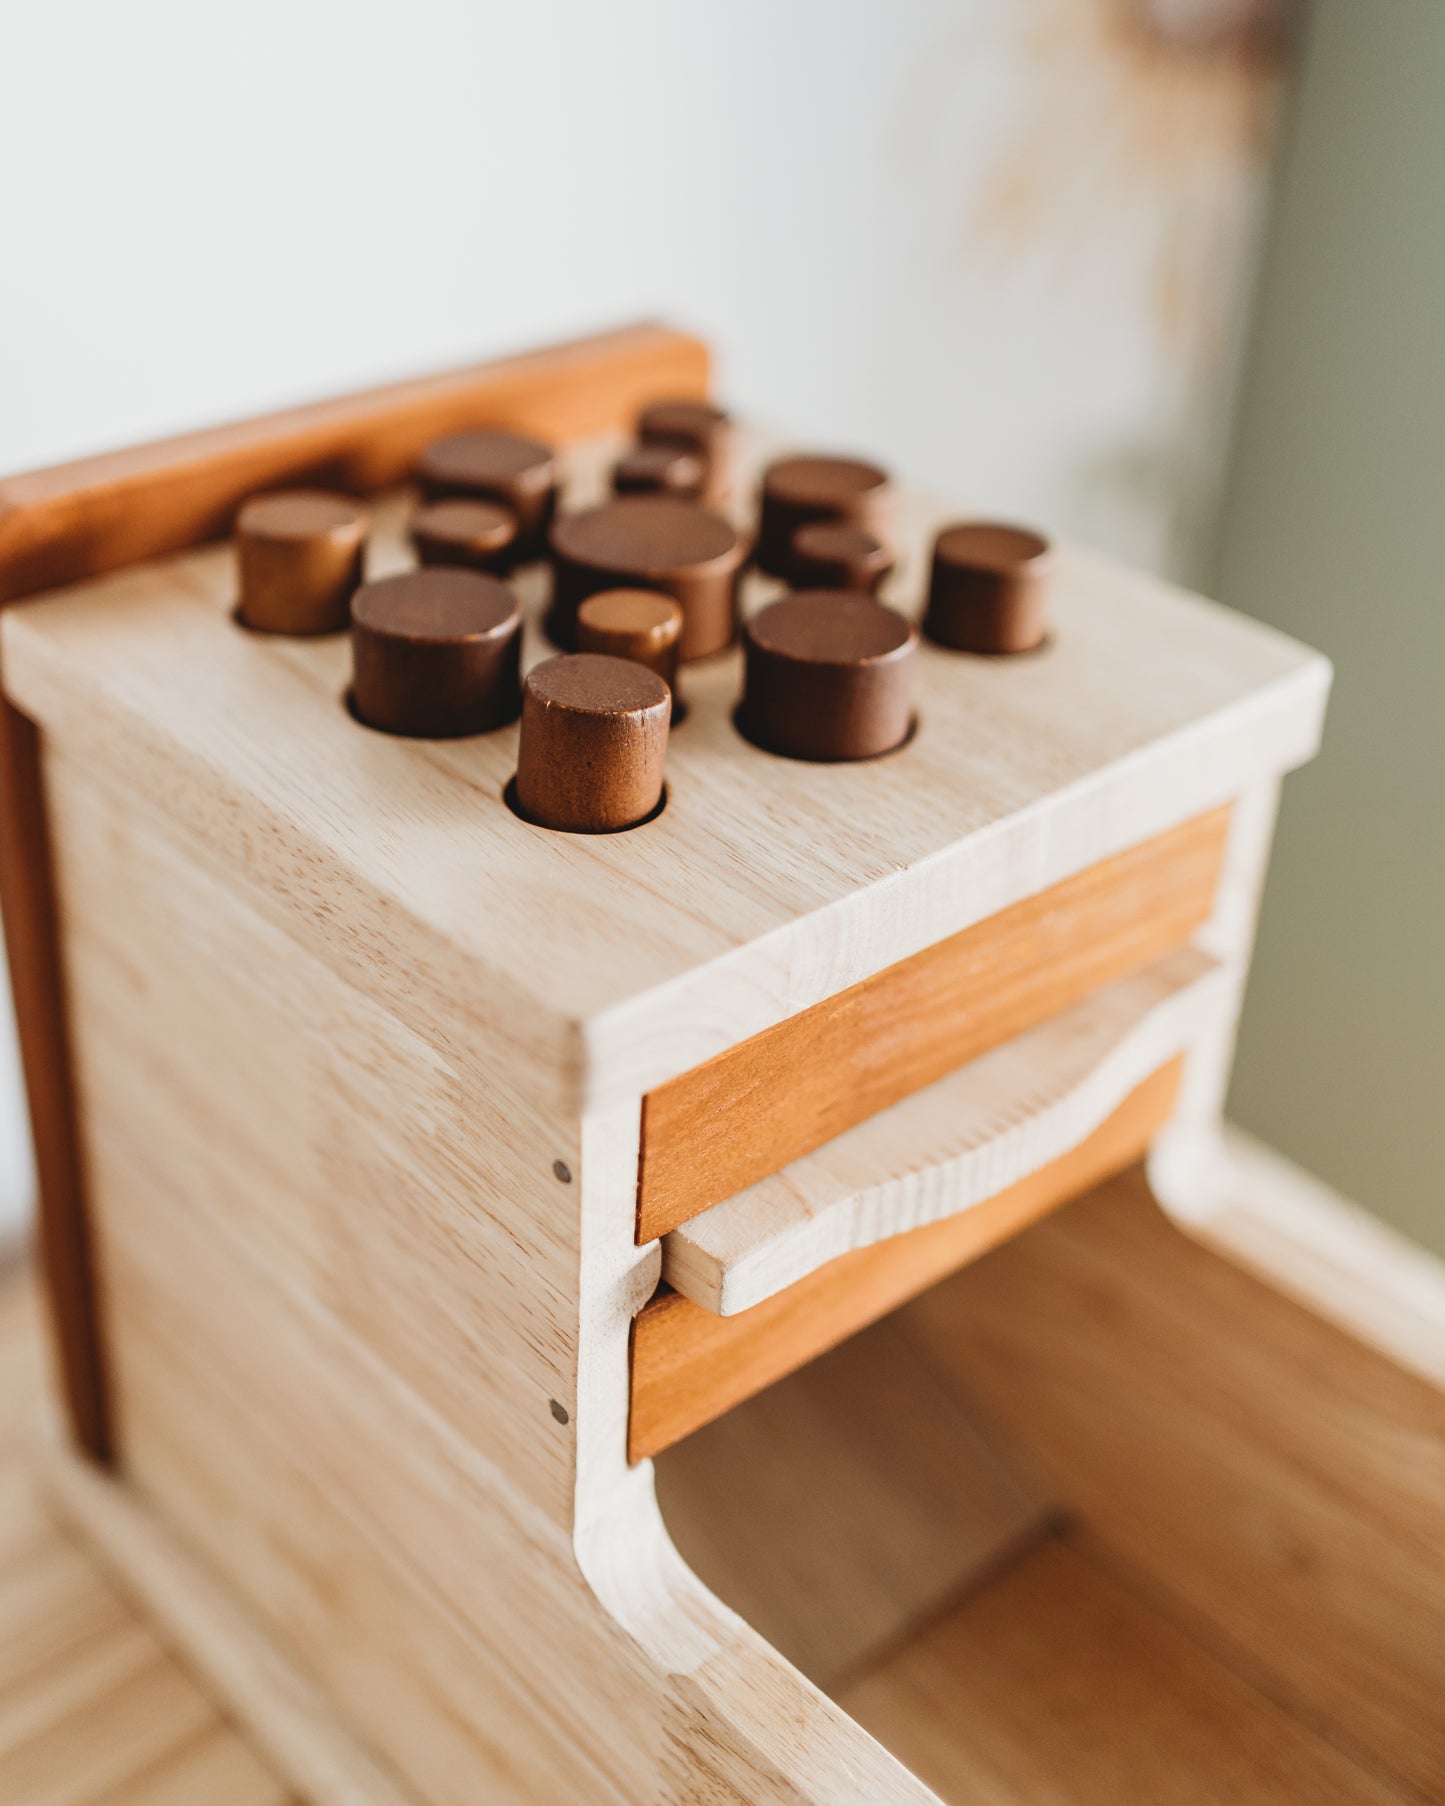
{"x":101,"y":514}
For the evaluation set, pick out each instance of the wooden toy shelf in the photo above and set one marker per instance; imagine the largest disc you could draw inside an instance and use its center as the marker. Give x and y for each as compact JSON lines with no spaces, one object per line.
{"x":412,"y":1174}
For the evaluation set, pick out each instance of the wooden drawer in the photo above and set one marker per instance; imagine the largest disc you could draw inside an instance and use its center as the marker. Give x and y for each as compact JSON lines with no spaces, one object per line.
{"x":750,"y":1111}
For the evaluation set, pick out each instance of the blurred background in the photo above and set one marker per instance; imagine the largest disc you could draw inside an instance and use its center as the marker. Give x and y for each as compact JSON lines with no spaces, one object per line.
{"x":1164,"y":275}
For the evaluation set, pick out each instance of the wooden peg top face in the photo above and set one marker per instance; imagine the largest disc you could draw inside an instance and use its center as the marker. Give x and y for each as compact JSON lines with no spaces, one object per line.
{"x":831,"y":554}
{"x":436,"y":653}
{"x":639,"y":624}
{"x":988,"y":591}
{"x":829,"y":676}
{"x":498,"y":466}
{"x":462,"y":531}
{"x":299,"y":553}
{"x":797,"y":491}
{"x":593,"y":744}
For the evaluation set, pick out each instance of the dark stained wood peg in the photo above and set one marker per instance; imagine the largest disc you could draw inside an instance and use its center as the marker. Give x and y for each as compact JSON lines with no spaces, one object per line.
{"x":436,"y":653}
{"x":465,"y":531}
{"x":497,"y":466}
{"x":797,"y":491}
{"x":593,"y":743}
{"x":650,"y":542}
{"x":299,"y":554}
{"x":659,"y":470}
{"x":989,"y":588}
{"x":639,"y":624}
{"x":829,"y":676}
{"x":700,"y":427}
{"x":832,"y":554}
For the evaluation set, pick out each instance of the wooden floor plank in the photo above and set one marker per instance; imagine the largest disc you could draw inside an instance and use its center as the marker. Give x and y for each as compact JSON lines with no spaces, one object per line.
{"x":1056,"y":1685}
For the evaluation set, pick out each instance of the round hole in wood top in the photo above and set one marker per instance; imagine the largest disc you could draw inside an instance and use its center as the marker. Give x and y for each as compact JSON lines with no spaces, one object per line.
{"x":509,"y":797}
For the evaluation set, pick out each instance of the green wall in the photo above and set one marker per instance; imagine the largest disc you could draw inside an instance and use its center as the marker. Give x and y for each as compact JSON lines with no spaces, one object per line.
{"x":1334,"y":529}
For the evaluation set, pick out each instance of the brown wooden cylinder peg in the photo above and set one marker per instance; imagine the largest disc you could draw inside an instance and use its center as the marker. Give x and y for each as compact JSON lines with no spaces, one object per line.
{"x":989,"y":591}
{"x":700,"y":427}
{"x":829,"y":677}
{"x":300,"y":554}
{"x":639,"y":624}
{"x":650,"y":542}
{"x":497,"y":466}
{"x":831,"y":554}
{"x":659,"y":470}
{"x":593,"y":743}
{"x":436,"y":653}
{"x":477,"y":535}
{"x":797,"y":491}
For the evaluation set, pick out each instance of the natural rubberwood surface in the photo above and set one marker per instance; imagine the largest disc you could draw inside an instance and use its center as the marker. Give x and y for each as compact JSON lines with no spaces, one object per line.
{"x":93,"y":1710}
{"x":1060,"y":1685}
{"x":783,"y":1093}
{"x":688,"y":1365}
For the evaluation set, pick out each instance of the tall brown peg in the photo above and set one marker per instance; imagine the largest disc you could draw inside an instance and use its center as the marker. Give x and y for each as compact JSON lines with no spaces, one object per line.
{"x":436,"y":653}
{"x":639,"y":624}
{"x":797,"y":491}
{"x":700,"y":427}
{"x":498,"y":466}
{"x":829,"y":677}
{"x":299,"y":553}
{"x":989,"y":590}
{"x":593,"y":743}
{"x":475,"y":534}
{"x":831,"y":554}
{"x":659,"y":470}
{"x":650,"y":542}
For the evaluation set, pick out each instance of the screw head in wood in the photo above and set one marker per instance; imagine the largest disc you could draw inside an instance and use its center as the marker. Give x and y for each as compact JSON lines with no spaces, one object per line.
{"x":593,"y":743}
{"x":989,"y":589}
{"x":829,"y":677}
{"x":700,"y":427}
{"x":797,"y":491}
{"x":436,"y":653}
{"x":299,"y":554}
{"x":832,"y":554}
{"x":639,"y":624}
{"x":497,"y":466}
{"x":650,"y":542}
{"x":475,"y":534}
{"x":658,"y":470}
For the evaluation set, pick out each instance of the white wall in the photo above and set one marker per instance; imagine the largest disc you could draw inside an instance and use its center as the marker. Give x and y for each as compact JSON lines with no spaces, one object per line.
{"x":999,"y":243}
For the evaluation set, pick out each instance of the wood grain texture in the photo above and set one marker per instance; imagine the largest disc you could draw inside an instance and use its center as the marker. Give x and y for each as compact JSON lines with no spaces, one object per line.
{"x":1279,"y":1486}
{"x":1060,"y":1685}
{"x":99,"y":514}
{"x":953,"y":1146}
{"x":749,"y":1112}
{"x":689,"y":1365}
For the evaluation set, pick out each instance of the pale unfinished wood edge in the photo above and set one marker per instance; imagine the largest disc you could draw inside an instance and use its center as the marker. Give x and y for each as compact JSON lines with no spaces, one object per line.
{"x":1332,"y":1256}
{"x":976,"y":1132}
{"x":285,"y":1714}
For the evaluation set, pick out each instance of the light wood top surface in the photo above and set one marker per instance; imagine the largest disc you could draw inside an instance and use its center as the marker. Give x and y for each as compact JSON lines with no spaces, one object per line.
{"x":764,"y":885}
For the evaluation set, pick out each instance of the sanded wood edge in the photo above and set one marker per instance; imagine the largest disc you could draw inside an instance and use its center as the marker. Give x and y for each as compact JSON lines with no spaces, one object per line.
{"x":689,"y":1366}
{"x":774,"y":1098}
{"x":27,"y":903}
{"x":285,"y":1713}
{"x":99,"y":514}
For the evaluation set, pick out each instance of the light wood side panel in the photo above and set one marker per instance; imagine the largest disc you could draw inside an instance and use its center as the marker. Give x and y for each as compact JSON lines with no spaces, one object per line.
{"x":689,"y":1366}
{"x":98,"y":514}
{"x":748,"y":1112}
{"x":1060,"y":1685}
{"x":1278,"y":1485}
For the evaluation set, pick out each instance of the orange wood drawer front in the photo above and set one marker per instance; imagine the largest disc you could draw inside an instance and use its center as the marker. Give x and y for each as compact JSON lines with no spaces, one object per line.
{"x":689,"y":1366}
{"x":711,"y":1131}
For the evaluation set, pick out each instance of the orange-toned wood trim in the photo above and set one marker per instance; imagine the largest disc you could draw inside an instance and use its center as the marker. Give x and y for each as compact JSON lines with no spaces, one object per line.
{"x":82,"y":519}
{"x":27,"y":902}
{"x":689,"y":1366}
{"x":745,"y":1114}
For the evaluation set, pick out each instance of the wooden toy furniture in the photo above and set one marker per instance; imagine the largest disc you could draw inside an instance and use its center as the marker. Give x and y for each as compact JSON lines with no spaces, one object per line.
{"x":413,"y":1175}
